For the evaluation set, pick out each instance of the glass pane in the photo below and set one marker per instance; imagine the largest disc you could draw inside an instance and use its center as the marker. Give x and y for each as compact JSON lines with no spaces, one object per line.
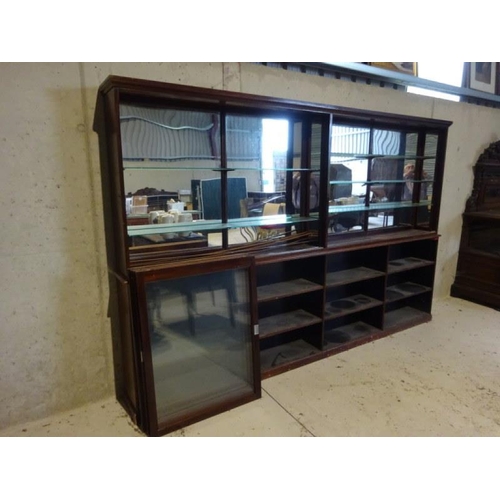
{"x":348,"y":177}
{"x":257,"y":151}
{"x":316,"y":129}
{"x":384,"y":217}
{"x":297,"y":144}
{"x":171,"y":159}
{"x":424,"y":213}
{"x":200,"y":331}
{"x":395,"y":152}
{"x":431,"y":141}
{"x":260,"y":177}
{"x":425,"y":185}
{"x":346,"y":221}
{"x":411,"y":145}
{"x":306,"y":162}
{"x":257,"y":148}
{"x":349,"y":142}
{"x":401,"y":215}
{"x":391,"y":193}
{"x":214,"y":238}
{"x":390,"y":147}
{"x":388,"y":142}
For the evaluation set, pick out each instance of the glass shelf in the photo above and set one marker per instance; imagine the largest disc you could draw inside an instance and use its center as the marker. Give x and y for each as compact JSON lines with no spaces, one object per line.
{"x":388,"y":181}
{"x":215,"y":169}
{"x":339,"y":209}
{"x":217,"y":225}
{"x":163,"y":167}
{"x":357,"y":156}
{"x":277,"y":169}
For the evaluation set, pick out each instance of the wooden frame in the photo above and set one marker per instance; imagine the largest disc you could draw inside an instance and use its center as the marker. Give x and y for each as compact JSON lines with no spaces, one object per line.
{"x":482,"y":76}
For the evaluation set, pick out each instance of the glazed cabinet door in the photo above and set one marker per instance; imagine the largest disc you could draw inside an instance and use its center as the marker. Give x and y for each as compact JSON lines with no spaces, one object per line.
{"x":196,"y":325}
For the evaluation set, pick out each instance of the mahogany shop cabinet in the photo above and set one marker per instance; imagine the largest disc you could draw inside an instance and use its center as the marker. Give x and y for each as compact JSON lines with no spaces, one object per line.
{"x":249,"y":235}
{"x":478,"y":269}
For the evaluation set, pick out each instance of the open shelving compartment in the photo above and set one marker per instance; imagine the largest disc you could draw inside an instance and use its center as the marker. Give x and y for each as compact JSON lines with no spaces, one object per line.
{"x":350,"y":330}
{"x":295,"y":348}
{"x":410,"y":280}
{"x":354,"y":295}
{"x":290,"y":310}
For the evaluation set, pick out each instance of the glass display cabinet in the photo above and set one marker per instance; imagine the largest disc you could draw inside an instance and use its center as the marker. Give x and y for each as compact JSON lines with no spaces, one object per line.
{"x":249,"y":235}
{"x":478,"y":268}
{"x":381,"y":177}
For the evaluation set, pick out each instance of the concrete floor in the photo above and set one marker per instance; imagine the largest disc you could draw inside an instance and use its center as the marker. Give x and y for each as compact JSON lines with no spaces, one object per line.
{"x":437,"y":379}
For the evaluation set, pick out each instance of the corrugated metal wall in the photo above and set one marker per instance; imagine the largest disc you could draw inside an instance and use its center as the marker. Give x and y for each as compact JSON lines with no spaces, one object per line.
{"x":352,"y":140}
{"x":244,"y":138}
{"x":170,"y":134}
{"x":165,"y":134}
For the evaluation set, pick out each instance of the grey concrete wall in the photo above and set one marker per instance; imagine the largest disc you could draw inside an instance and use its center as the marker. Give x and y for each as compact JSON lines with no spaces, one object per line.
{"x":54,"y":333}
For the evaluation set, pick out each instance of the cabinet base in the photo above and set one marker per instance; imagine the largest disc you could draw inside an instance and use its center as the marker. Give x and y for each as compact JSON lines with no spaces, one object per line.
{"x":475,"y":295}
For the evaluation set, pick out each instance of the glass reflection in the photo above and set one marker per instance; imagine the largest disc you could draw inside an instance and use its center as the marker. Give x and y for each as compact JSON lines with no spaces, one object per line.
{"x":257,"y":158}
{"x":170,"y":161}
{"x":200,"y":341}
{"x":348,"y":177}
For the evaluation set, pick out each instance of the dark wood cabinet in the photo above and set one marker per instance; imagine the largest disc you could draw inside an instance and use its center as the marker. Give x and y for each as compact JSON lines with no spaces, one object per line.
{"x":478,"y":268}
{"x":310,"y":229}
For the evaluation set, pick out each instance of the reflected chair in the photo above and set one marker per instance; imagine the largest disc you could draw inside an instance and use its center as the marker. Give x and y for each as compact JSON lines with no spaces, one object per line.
{"x":263,"y":232}
{"x":160,"y":294}
{"x":249,"y":208}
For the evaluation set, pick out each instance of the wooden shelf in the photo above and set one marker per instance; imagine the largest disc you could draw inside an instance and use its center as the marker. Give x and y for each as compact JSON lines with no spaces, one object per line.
{"x":349,"y":333}
{"x":285,"y":322}
{"x":351,"y":276}
{"x":404,"y":290}
{"x":349,"y":305}
{"x":404,"y":317}
{"x":400,"y":265}
{"x":292,"y":353}
{"x":286,"y":289}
